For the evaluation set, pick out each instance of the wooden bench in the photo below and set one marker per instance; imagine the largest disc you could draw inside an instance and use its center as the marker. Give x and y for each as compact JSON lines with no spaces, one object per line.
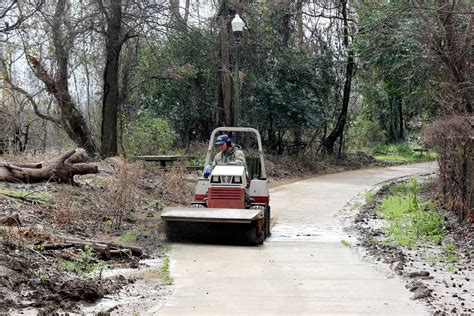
{"x":166,"y":160}
{"x":163,"y":159}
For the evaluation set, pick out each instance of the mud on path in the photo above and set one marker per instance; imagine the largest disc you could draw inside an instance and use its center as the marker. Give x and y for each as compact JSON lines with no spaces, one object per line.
{"x":302,"y":268}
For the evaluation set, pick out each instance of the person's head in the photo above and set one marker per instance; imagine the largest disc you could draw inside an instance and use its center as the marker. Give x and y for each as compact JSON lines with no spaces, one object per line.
{"x":224,"y":142}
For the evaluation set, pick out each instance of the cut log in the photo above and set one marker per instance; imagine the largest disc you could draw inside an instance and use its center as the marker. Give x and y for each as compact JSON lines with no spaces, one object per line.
{"x":103,"y":250}
{"x":62,"y":169}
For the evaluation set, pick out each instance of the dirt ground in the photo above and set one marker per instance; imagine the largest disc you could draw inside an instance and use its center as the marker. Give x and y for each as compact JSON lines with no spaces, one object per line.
{"x":56,"y":255}
{"x":445,"y":285}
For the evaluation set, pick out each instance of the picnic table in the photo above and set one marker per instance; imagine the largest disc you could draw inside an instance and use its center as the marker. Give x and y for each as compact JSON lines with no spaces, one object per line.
{"x":165,"y":160}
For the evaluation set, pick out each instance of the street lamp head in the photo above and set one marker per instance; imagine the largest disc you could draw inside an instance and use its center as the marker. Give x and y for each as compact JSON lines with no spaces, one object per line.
{"x":237,"y":25}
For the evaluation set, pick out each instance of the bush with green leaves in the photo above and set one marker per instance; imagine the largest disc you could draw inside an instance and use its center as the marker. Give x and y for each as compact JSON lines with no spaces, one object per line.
{"x":176,"y":79}
{"x":149,"y":135}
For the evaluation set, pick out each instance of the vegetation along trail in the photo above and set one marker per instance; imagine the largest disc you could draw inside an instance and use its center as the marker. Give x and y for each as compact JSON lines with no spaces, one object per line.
{"x":302,"y":268}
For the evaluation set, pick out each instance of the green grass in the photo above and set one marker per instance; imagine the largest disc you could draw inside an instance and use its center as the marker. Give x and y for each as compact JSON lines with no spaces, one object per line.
{"x":128,"y":237}
{"x":84,"y":266}
{"x":450,"y":253}
{"x":411,"y":221}
{"x":30,"y":196}
{"x":406,"y":159}
{"x":165,"y":271}
{"x":369,"y":196}
{"x":166,"y":248}
{"x":355,"y":207}
{"x":401,"y":152}
{"x":345,"y":243}
{"x":158,"y":205}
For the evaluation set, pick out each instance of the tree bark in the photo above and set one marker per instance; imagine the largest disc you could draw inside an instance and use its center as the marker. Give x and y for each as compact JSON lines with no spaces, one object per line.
{"x":62,"y":169}
{"x":110,"y":100}
{"x":401,"y":123}
{"x":224,"y":90}
{"x":328,"y":143}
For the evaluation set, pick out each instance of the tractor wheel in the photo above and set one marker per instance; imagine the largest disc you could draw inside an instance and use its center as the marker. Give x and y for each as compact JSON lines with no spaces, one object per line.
{"x":252,"y":236}
{"x":267,"y":222}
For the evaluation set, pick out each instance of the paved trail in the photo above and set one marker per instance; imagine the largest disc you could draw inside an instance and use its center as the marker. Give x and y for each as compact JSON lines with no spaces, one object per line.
{"x":302,"y":269}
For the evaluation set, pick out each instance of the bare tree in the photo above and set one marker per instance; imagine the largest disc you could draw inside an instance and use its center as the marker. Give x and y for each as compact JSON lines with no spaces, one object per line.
{"x":70,"y":117}
{"x":12,"y":13}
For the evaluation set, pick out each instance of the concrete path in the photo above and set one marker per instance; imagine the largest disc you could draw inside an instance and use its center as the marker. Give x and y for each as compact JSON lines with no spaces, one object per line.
{"x":302,"y":269}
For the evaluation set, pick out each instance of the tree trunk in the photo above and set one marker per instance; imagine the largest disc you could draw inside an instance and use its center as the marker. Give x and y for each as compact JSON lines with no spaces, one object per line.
{"x":299,"y":22}
{"x":62,"y":169}
{"x":110,"y":101}
{"x":328,"y":143}
{"x":285,"y":27}
{"x":401,"y":123}
{"x":224,"y":90}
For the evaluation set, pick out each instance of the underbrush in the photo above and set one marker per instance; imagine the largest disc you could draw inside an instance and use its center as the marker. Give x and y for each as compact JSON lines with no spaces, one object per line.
{"x":85,"y":266}
{"x":402,"y":152}
{"x":410,"y":220}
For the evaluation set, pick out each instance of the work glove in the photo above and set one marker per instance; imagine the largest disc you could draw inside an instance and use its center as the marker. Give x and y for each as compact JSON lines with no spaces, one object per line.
{"x":207,"y":171}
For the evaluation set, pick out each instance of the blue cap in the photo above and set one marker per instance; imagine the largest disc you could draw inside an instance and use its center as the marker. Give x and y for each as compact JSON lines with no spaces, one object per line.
{"x":222,"y":139}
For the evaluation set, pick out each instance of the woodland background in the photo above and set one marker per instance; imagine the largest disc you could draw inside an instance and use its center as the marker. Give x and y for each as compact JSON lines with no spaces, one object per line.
{"x":318,"y":78}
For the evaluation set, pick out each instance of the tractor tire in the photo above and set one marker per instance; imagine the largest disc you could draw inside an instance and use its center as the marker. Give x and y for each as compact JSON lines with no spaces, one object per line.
{"x":267,"y":216}
{"x":252,"y":237}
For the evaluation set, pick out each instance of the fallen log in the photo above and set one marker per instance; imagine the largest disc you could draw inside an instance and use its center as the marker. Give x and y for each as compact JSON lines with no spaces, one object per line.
{"x":104,"y":250}
{"x":62,"y":169}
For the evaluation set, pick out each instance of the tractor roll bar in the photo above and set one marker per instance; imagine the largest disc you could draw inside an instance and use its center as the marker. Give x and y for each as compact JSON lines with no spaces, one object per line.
{"x":238,"y":129}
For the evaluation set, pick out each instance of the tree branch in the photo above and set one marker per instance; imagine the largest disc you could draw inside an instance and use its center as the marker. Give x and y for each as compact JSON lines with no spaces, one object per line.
{"x":28,"y":96}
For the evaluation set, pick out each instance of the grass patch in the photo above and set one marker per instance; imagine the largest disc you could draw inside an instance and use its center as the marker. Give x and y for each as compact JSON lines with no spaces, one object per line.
{"x":128,"y":237}
{"x":166,"y":248}
{"x":450,"y":253}
{"x":29,"y":196}
{"x":158,"y":205}
{"x":165,"y":271}
{"x":369,"y":196}
{"x":355,"y":206}
{"x":411,"y":221}
{"x":403,"y":152}
{"x":345,"y":243}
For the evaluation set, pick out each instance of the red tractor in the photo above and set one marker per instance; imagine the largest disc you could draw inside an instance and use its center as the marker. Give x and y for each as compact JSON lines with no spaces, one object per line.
{"x":233,"y":202}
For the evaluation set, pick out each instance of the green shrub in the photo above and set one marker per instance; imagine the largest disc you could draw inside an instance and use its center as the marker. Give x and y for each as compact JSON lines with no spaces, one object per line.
{"x":149,"y":135}
{"x":84,"y":266}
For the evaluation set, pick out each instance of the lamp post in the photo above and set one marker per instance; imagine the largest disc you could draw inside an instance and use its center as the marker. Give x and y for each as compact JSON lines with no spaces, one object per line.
{"x":237,"y":27}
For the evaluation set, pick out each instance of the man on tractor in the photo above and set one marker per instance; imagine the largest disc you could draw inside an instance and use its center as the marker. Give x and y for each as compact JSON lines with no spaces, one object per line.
{"x":229,"y":154}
